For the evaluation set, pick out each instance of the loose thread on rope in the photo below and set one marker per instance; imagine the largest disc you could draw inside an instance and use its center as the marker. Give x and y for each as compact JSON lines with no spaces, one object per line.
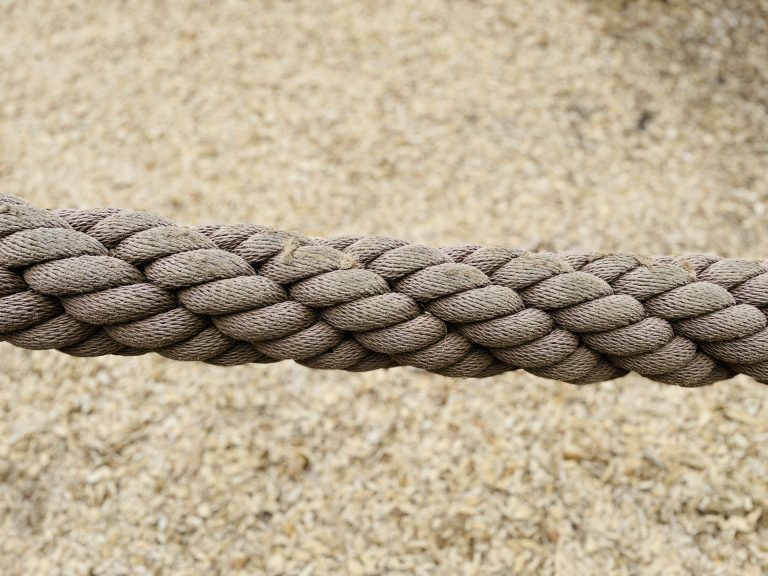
{"x":113,"y":281}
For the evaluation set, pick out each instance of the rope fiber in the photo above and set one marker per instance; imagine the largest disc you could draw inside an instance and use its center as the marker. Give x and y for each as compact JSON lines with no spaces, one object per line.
{"x":112,"y":281}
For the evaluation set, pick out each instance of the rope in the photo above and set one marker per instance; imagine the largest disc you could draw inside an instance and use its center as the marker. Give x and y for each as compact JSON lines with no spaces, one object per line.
{"x":111,"y":281}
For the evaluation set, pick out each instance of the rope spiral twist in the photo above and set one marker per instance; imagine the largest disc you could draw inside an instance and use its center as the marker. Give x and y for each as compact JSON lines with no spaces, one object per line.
{"x":112,"y":281}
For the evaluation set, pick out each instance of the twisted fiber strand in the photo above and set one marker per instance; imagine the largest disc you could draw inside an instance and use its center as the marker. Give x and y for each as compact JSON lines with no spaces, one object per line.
{"x":111,"y":281}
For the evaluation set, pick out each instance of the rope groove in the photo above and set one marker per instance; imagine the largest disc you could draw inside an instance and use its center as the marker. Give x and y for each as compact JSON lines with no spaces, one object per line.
{"x":111,"y":281}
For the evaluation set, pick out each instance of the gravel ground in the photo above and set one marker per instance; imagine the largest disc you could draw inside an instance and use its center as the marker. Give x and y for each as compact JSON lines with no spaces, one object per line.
{"x":553,"y":124}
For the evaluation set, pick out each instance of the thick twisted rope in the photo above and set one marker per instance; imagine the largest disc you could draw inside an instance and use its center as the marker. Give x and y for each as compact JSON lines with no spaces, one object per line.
{"x":110,"y":281}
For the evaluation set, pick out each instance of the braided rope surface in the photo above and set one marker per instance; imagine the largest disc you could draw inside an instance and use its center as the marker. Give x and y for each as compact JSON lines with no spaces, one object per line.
{"x":112,"y":281}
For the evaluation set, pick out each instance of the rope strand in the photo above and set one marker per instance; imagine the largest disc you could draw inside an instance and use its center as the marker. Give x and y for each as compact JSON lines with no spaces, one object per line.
{"x":111,"y":281}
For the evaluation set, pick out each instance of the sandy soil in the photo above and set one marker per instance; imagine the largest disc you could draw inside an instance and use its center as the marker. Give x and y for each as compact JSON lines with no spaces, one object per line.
{"x":555,"y":124}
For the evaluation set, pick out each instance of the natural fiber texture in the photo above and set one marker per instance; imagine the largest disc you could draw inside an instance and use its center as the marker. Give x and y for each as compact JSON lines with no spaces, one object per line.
{"x":550,"y":125}
{"x":111,"y":281}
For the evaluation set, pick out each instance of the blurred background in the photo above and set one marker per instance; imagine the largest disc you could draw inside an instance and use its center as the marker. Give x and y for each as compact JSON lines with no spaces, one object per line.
{"x":626,"y":125}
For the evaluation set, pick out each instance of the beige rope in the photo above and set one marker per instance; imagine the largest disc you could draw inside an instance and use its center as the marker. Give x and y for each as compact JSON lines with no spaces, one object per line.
{"x":110,"y":281}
